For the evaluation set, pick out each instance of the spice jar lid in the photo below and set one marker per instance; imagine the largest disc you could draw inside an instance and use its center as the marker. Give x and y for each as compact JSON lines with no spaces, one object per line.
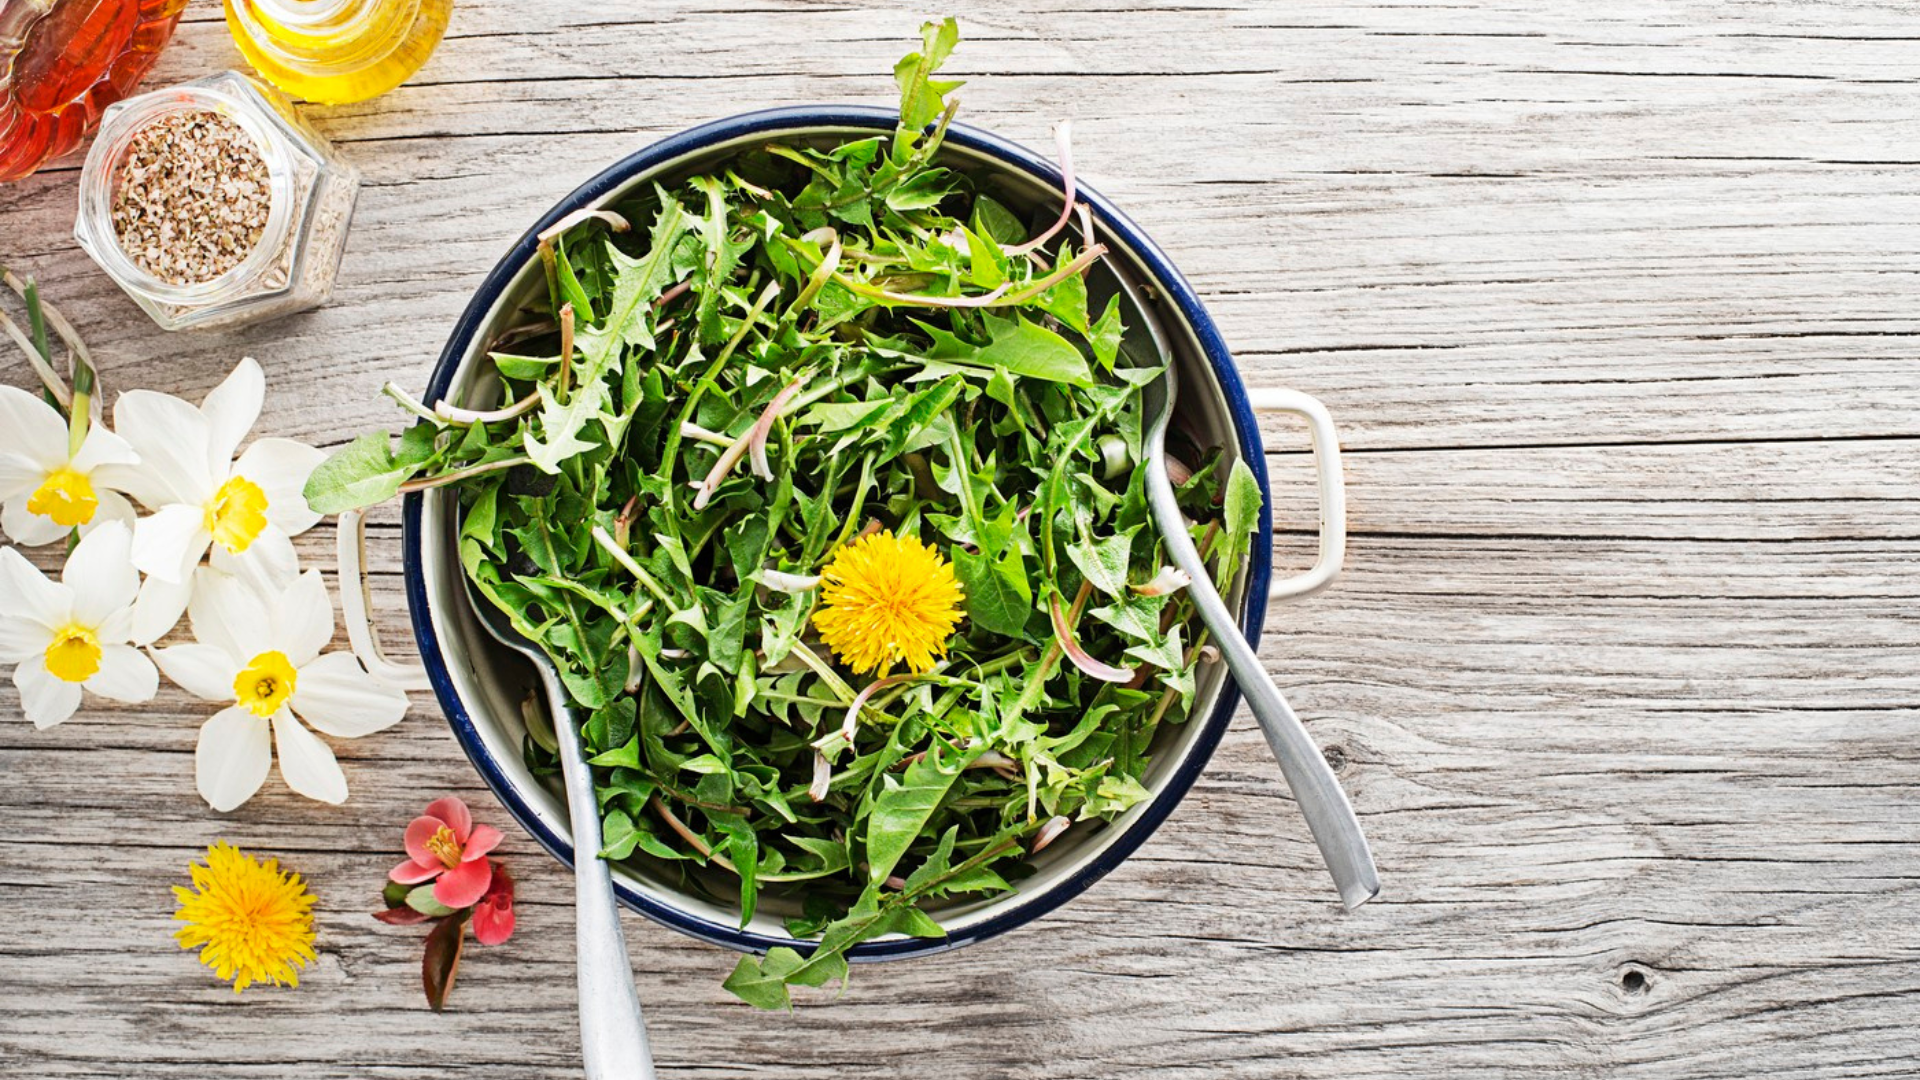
{"x":101,"y":177}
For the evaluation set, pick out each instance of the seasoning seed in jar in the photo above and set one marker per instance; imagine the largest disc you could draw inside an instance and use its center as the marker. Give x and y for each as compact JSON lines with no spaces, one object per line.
{"x":191,"y":198}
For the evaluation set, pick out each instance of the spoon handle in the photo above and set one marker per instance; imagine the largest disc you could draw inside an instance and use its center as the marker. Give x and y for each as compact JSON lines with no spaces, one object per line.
{"x":613,"y":1037}
{"x":1329,"y":815}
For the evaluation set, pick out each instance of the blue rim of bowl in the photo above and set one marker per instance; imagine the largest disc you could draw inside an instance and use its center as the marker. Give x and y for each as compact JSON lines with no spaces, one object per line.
{"x":794,"y":119}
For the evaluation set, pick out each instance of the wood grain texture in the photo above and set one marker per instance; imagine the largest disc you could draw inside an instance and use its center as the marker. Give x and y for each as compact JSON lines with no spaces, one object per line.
{"x":1618,"y":307}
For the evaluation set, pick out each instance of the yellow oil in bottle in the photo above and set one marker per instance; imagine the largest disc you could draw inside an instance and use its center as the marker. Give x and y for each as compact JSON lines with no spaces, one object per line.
{"x":337,"y":51}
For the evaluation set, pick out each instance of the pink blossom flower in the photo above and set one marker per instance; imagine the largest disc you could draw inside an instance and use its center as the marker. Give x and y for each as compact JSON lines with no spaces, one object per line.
{"x":448,"y":849}
{"x":493,"y":915}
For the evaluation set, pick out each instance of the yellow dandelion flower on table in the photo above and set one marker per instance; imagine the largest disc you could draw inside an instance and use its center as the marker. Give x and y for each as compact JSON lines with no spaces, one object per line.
{"x":886,"y":600}
{"x":251,"y":922}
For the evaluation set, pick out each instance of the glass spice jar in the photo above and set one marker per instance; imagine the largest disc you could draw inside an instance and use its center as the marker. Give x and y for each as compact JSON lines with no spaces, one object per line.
{"x":213,"y":203}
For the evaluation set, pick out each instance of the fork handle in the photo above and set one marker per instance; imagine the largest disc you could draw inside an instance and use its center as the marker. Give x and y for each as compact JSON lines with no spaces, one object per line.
{"x":613,"y":1037}
{"x":1329,"y":815}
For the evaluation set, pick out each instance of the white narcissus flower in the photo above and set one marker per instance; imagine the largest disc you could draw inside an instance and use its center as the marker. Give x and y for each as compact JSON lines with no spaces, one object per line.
{"x":48,"y":488}
{"x":260,"y":653}
{"x":245,"y":511}
{"x":71,"y":635}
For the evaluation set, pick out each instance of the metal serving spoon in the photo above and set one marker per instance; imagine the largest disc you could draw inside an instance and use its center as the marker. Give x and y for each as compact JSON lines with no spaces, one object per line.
{"x":613,"y":1037}
{"x":1329,"y":815}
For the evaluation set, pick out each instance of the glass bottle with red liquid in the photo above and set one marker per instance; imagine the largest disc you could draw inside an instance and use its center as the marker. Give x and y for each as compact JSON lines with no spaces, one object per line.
{"x":62,"y":62}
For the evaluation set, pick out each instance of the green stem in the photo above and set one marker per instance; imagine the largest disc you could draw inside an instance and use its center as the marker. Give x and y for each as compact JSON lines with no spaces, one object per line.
{"x":37,"y":320}
{"x":970,"y":865}
{"x":1036,"y":687}
{"x":963,"y":473}
{"x":59,"y":324}
{"x":412,"y":404}
{"x":1003,"y":662}
{"x":632,"y":565}
{"x":852,"y":521}
{"x":77,"y":418}
{"x":931,"y":144}
{"x":56,"y":388}
{"x":825,"y":670}
{"x":443,"y":479}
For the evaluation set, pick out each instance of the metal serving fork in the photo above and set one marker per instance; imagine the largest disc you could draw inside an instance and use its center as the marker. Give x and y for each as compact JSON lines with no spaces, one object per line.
{"x":613,"y":1037}
{"x":1329,"y":815}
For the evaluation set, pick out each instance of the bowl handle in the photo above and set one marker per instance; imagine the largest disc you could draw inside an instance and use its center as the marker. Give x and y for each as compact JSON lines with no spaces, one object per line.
{"x":350,"y":540}
{"x":1333,"y":491}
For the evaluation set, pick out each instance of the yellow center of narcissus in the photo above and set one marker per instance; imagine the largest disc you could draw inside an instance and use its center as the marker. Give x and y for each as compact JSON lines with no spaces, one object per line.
{"x":265,"y":683}
{"x":66,"y":496}
{"x":74,"y":653}
{"x":236,"y":514}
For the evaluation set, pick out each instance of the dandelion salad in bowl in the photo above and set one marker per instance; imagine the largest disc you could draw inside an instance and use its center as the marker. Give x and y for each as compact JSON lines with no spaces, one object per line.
{"x":813,"y":465}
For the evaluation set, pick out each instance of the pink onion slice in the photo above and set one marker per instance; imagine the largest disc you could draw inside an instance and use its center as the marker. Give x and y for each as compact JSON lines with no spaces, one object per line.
{"x":852,"y":723}
{"x":673,"y":294}
{"x":829,"y":262}
{"x":757,"y":434}
{"x":614,"y":221}
{"x":1049,"y":832}
{"x":781,"y":581}
{"x":822,"y":777}
{"x":1080,"y":657}
{"x":757,"y":439}
{"x":1062,"y":135}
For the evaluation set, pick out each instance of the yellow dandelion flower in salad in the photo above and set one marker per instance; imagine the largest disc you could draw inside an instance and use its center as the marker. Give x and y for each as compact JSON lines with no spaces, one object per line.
{"x":887,"y":599}
{"x":251,"y":922}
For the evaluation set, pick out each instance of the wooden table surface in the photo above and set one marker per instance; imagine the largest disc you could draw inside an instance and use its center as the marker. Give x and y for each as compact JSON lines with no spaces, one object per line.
{"x":1617,"y":305}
